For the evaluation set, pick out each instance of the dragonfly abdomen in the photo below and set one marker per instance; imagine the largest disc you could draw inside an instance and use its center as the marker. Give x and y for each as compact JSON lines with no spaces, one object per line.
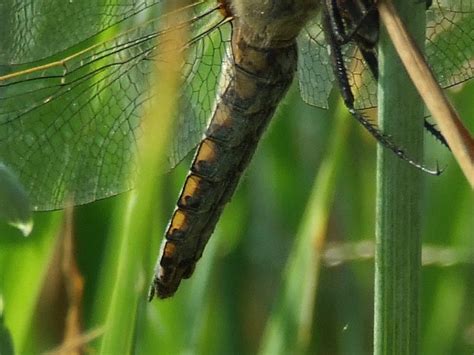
{"x":254,"y":80}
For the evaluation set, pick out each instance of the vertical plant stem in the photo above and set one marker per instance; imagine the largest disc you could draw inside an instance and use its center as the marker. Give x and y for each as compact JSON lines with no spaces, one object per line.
{"x":399,"y":185}
{"x":137,"y":224}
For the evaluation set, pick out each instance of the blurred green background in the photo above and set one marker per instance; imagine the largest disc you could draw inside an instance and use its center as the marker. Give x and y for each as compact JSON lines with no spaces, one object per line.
{"x":227,"y":304}
{"x":289,"y":268}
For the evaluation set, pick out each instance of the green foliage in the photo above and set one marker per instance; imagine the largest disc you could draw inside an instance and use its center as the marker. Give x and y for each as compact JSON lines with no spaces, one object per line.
{"x":24,"y":267}
{"x":226,"y":305}
{"x":15,"y":208}
{"x":289,"y":267}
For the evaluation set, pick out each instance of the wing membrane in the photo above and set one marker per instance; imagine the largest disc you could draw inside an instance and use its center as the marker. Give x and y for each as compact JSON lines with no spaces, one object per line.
{"x":449,"y":50}
{"x":69,"y":128}
{"x":450,"y":41}
{"x":36,"y":29}
{"x":78,"y":73}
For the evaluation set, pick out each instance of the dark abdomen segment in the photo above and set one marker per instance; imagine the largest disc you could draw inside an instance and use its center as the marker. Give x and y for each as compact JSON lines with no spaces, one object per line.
{"x":253,"y":82}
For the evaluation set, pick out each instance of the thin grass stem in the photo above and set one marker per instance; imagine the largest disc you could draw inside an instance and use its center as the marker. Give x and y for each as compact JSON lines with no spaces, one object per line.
{"x":291,"y":322}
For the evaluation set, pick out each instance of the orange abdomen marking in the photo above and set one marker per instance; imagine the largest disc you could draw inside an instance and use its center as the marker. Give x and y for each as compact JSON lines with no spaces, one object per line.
{"x":253,"y":84}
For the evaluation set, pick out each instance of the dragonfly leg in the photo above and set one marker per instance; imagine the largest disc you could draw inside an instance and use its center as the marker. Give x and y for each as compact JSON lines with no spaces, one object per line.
{"x":370,"y":58}
{"x":340,"y":73}
{"x":337,"y":25}
{"x":335,"y":22}
{"x":430,"y":127}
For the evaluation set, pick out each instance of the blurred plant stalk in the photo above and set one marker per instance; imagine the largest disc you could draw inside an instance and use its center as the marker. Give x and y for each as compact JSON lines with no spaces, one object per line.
{"x":136,"y":226}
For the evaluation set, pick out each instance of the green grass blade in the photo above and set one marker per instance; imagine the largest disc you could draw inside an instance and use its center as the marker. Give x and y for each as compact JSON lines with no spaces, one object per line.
{"x":136,"y":226}
{"x":448,"y":290}
{"x":23,"y":264}
{"x":179,"y":324}
{"x":6,"y":341}
{"x":291,"y":322}
{"x":15,"y":207}
{"x":399,"y":186}
{"x":130,"y":279}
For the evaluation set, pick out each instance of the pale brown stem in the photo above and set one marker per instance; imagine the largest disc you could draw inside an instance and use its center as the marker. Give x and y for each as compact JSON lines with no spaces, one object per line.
{"x":457,"y":136}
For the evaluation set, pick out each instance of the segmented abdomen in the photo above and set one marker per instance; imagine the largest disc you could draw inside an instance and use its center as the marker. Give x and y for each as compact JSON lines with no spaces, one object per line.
{"x":254,"y":80}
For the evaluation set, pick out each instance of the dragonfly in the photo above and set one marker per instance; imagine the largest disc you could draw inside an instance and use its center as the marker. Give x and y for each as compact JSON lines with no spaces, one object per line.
{"x":71,"y":105}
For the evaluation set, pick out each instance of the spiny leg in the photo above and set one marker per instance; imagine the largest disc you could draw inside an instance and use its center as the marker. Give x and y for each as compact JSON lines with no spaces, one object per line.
{"x":346,"y":92}
{"x":366,"y":48}
{"x":371,"y":59}
{"x":337,"y":20}
{"x":431,"y":127}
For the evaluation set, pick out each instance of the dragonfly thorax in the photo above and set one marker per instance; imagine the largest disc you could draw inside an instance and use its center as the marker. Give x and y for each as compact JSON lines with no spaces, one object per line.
{"x":273,"y":23}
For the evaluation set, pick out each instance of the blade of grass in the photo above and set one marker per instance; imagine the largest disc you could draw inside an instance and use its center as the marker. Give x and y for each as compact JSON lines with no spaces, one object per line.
{"x":291,"y":322}
{"x":108,"y":264}
{"x":15,"y":207}
{"x":446,"y":292}
{"x":178,"y":325}
{"x":6,"y":341}
{"x":399,"y":186}
{"x":137,"y":224}
{"x":23,"y":265}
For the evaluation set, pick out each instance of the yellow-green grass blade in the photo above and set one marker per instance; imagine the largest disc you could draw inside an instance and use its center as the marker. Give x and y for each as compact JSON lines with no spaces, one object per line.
{"x":23,"y":265}
{"x":290,"y":324}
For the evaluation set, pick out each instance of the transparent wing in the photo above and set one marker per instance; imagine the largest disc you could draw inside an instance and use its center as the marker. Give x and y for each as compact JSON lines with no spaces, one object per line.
{"x":315,"y":72}
{"x":36,"y":29}
{"x":69,"y":128}
{"x":449,"y":51}
{"x":450,"y":40}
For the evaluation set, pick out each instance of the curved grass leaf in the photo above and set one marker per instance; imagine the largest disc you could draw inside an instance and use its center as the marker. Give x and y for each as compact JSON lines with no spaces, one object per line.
{"x":15,"y":207}
{"x":6,"y":341}
{"x":290,"y":325}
